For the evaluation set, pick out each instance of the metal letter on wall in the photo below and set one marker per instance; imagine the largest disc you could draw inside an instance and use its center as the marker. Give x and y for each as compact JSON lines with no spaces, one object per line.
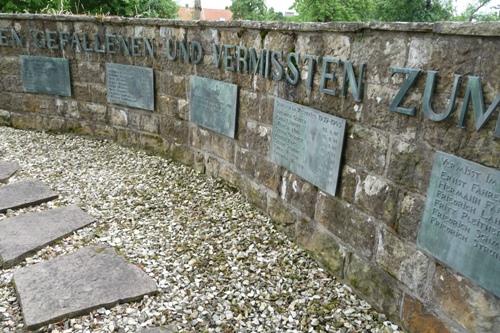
{"x":130,"y":86}
{"x":308,"y":142}
{"x":46,"y":75}
{"x":461,"y":222}
{"x":213,"y":105}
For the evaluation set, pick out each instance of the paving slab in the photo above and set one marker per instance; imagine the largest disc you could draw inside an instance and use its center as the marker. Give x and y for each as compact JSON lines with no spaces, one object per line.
{"x":25,"y":234}
{"x":78,"y":283}
{"x":7,"y":170}
{"x":24,"y":193}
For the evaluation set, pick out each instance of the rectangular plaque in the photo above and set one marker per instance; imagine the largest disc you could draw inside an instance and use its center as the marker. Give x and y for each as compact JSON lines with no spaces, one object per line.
{"x":130,"y":86}
{"x":46,"y":75}
{"x":461,"y":222}
{"x":308,"y":142}
{"x":213,"y":105}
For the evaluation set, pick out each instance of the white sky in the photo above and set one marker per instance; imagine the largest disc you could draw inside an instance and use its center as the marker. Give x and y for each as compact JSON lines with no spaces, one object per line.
{"x":283,"y":5}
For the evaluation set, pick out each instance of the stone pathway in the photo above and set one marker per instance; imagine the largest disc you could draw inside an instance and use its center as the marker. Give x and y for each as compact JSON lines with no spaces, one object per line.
{"x":7,"y":170}
{"x":74,"y":284}
{"x":24,"y":193}
{"x":23,"y":235}
{"x":66,"y":286}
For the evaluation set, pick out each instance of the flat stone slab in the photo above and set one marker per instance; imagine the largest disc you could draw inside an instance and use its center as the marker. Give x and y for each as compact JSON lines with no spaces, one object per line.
{"x":23,"y":194}
{"x":7,"y":170}
{"x":25,"y":234}
{"x":78,"y":283}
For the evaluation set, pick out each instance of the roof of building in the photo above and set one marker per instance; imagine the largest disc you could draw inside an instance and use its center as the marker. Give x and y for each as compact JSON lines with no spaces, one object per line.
{"x":207,"y":14}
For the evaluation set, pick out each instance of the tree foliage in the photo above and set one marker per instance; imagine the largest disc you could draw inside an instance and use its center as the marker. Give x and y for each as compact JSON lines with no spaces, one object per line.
{"x":412,"y":10}
{"x":140,"y":8}
{"x":375,"y":10}
{"x":333,"y":10}
{"x":254,"y":10}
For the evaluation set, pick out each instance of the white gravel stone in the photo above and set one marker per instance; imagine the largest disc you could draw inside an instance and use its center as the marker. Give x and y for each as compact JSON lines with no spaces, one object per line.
{"x":220,"y":264}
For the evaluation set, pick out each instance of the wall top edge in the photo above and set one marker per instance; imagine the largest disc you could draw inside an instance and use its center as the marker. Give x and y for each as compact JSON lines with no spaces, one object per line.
{"x":491,"y":29}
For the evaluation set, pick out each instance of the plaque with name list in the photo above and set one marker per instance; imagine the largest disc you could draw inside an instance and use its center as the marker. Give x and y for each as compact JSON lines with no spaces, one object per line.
{"x":308,"y":143}
{"x":461,"y":221}
{"x":213,"y":105}
{"x":46,"y":75}
{"x":130,"y":86}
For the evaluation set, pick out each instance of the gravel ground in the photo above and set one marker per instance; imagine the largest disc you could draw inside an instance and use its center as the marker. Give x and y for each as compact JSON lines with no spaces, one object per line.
{"x":220,"y":264}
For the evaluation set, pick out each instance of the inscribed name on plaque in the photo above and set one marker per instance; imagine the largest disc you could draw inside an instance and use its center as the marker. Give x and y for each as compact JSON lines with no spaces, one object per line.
{"x":461,"y":222}
{"x":308,"y":142}
{"x":213,"y":105}
{"x":46,"y":75}
{"x":130,"y":86}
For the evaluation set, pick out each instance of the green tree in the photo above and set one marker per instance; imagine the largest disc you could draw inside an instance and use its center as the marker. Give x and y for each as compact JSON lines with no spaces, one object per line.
{"x":140,"y":8}
{"x":31,"y":6}
{"x":377,"y":10}
{"x":333,"y":10}
{"x":248,"y":9}
{"x":412,"y":10}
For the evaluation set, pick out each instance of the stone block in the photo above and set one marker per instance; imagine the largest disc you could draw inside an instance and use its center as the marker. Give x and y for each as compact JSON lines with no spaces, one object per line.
{"x":24,"y":121}
{"x":245,"y":161}
{"x":7,"y":170}
{"x":402,"y":260}
{"x":266,"y":109}
{"x":23,"y":194}
{"x":374,"y":284}
{"x":76,"y":284}
{"x":67,"y":108}
{"x":410,"y":210}
{"x":350,"y":179}
{"x":222,"y":146}
{"x":376,"y":112}
{"x":91,"y":72}
{"x":410,"y":165}
{"x":150,"y":123}
{"x":4,"y":118}
{"x":227,"y":172}
{"x":255,"y":193}
{"x":319,"y":242}
{"x":9,"y":65}
{"x":249,"y":105}
{"x":470,"y":306}
{"x":416,"y":319}
{"x":380,"y":51}
{"x":347,"y":223}
{"x":299,"y":193}
{"x":257,"y":167}
{"x":167,"y":105}
{"x":378,"y":197}
{"x":366,"y":149}
{"x":92,"y":111}
{"x":174,"y":130}
{"x":23,"y":235}
{"x":151,"y":142}
{"x":174,"y":85}
{"x":268,"y":173}
{"x":281,"y":214}
{"x":118,"y":117}
{"x":256,"y":137}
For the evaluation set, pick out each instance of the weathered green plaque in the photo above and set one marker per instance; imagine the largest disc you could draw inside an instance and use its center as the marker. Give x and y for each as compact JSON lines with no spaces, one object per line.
{"x":461,"y":222}
{"x":46,"y":75}
{"x":308,"y":142}
{"x":213,"y":105}
{"x":130,"y":86}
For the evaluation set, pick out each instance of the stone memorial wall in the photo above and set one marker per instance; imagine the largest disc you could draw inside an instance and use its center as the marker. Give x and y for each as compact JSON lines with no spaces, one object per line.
{"x":374,"y":146}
